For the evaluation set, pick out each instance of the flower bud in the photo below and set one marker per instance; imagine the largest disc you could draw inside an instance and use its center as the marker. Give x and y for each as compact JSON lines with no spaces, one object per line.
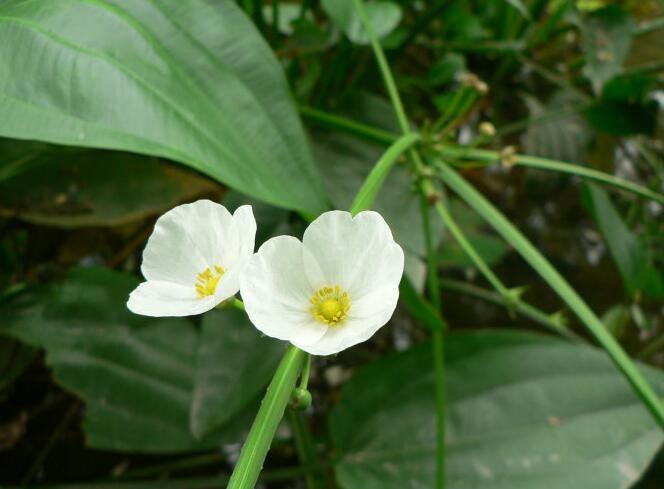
{"x":487,"y":129}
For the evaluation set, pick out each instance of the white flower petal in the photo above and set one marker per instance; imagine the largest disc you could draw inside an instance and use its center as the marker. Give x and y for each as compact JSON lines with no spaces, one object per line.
{"x":245,"y":224}
{"x":365,"y":317}
{"x":358,"y":253}
{"x":159,"y":299}
{"x":276,"y":292}
{"x":188,"y":239}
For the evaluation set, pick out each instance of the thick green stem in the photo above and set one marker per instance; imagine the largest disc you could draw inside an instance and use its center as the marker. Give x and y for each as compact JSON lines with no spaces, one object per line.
{"x":367,"y":193}
{"x":559,"y":284}
{"x":267,"y":420}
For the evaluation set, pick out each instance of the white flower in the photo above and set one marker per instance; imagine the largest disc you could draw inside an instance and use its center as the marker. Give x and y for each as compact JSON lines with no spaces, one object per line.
{"x":193,"y":259}
{"x":330,"y":291}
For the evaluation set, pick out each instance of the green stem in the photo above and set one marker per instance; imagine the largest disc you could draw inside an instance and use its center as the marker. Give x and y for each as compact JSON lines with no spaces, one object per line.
{"x":267,"y":420}
{"x":551,"y":165}
{"x":306,"y":448}
{"x":482,"y":155}
{"x":306,"y":371}
{"x":367,"y":193}
{"x":438,"y":346}
{"x":325,"y":119}
{"x":439,"y":364}
{"x":656,"y":345}
{"x":237,"y":303}
{"x":559,"y":284}
{"x":419,"y":307}
{"x":553,"y":322}
{"x":468,"y":248}
{"x":384,"y":67}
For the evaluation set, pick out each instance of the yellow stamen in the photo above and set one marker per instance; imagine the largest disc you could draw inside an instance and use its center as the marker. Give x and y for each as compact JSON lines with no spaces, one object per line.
{"x":207,"y":280}
{"x":330,"y":305}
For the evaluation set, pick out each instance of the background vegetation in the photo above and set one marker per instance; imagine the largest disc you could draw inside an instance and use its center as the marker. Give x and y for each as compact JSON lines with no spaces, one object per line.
{"x":113,"y":111}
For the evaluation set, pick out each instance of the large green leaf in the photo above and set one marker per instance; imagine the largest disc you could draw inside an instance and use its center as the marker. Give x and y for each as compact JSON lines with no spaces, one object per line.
{"x":524,"y":411}
{"x":135,"y":374}
{"x":629,"y":253}
{"x":234,"y":366}
{"x":190,"y":80}
{"x":82,"y":187}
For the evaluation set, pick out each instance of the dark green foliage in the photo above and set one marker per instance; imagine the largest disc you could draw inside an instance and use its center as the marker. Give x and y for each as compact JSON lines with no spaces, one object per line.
{"x":114,"y":111}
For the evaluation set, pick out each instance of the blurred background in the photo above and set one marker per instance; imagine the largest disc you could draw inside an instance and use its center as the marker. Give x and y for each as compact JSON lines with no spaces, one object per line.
{"x":577,"y":81}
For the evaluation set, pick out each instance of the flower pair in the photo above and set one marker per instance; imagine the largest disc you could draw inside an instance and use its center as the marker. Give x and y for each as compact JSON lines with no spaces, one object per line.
{"x":330,"y":291}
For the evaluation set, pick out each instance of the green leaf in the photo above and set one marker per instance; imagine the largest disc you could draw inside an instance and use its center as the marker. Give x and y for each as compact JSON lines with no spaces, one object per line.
{"x":446,"y":68}
{"x":289,"y":13}
{"x":520,"y":7}
{"x":234,"y":365}
{"x":135,"y":374}
{"x":74,"y":187}
{"x":193,"y":82}
{"x":551,"y":134}
{"x":419,"y":307}
{"x":630,"y":255}
{"x":617,"y":320}
{"x":383,"y":16}
{"x":625,"y":107}
{"x":524,"y":411}
{"x":270,"y":221}
{"x":606,"y":39}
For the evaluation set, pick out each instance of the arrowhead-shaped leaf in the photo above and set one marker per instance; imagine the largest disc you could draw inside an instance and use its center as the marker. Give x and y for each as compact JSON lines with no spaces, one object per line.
{"x":524,"y":412}
{"x":190,"y":80}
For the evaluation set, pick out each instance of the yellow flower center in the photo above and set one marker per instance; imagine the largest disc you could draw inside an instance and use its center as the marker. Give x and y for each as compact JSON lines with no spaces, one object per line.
{"x":207,"y":280}
{"x":330,"y":305}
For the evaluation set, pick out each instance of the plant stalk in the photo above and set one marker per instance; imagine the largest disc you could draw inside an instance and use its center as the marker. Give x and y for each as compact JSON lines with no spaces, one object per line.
{"x":541,"y":265}
{"x":438,"y":345}
{"x":552,"y":165}
{"x":439,"y":363}
{"x":267,"y":420}
{"x":468,"y":248}
{"x":367,"y":193}
{"x":482,"y":155}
